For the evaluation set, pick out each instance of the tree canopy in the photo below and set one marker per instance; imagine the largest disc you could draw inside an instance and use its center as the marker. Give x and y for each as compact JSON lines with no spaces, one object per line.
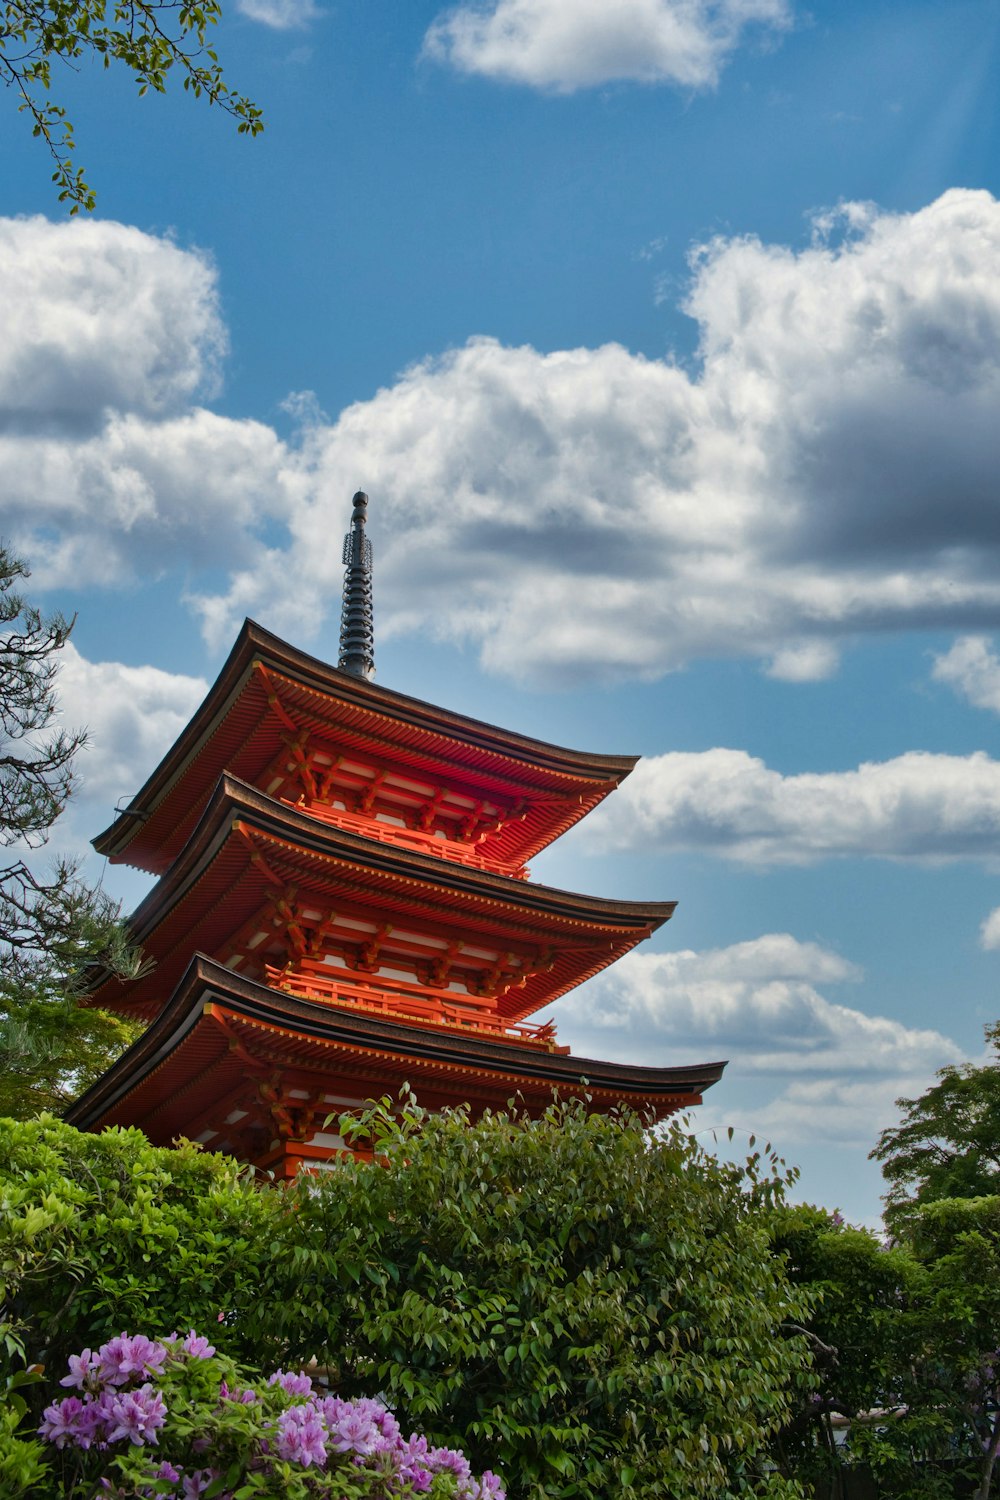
{"x":51,"y":922}
{"x":592,"y":1311}
{"x":150,"y":38}
{"x":947,"y":1144}
{"x":904,"y":1337}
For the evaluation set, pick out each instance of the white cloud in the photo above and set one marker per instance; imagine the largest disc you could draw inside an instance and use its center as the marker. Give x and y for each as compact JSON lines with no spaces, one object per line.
{"x":918,"y":806}
{"x":140,"y":496}
{"x":973,"y":670}
{"x":989,"y":932}
{"x":99,"y":315}
{"x":827,"y":470}
{"x":805,"y":1067}
{"x":590,"y":513}
{"x":804,"y":661}
{"x":280,"y":15}
{"x":132,"y":715}
{"x":572,"y":44}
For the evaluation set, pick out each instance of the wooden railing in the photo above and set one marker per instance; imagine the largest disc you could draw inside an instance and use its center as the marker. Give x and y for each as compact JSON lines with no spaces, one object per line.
{"x":396,"y":1000}
{"x":409,"y":838}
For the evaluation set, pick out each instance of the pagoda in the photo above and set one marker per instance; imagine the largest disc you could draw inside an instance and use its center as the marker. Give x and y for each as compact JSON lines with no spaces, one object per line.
{"x":343,"y":907}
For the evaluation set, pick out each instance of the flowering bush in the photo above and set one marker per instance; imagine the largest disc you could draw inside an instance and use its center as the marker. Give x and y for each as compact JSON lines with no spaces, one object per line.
{"x":174,"y":1418}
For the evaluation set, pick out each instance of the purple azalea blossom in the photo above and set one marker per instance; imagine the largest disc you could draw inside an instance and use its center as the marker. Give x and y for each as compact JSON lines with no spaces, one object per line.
{"x":487,"y":1488}
{"x":128,"y":1356}
{"x":354,"y":1432}
{"x":81,"y":1367}
{"x":449,"y":1461}
{"x":242,"y":1398}
{"x":364,"y":1409}
{"x":295,"y":1385}
{"x":197,"y":1346}
{"x":115,"y":1407}
{"x":413,"y":1465}
{"x":193,"y":1485}
{"x":136,"y":1415}
{"x":61,"y":1421}
{"x":301,"y":1436}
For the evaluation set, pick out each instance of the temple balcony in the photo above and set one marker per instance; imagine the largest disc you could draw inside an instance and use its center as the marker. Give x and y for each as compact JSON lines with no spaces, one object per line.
{"x":373,"y":827}
{"x":417,"y":1006}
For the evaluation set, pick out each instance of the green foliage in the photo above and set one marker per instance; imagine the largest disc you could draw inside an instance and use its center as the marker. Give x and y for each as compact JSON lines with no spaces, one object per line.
{"x":50,"y":926}
{"x":101,"y":1233}
{"x":948,"y":1142}
{"x":859,"y":1286}
{"x":593,"y":1309}
{"x":151,"y":38}
{"x":858,"y":1334}
{"x":183,"y":1418}
{"x":905,"y":1339}
{"x":590,"y":1309}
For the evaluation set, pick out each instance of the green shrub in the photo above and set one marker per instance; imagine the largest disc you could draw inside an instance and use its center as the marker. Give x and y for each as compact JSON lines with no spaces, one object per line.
{"x":104,"y":1232}
{"x":592,"y":1309}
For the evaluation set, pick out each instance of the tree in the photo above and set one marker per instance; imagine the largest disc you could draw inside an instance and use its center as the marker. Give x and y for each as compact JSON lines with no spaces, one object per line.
{"x":51,"y":923}
{"x":150,"y":38}
{"x":585,"y":1308}
{"x":905,"y":1340}
{"x":948,"y":1142}
{"x":590,"y":1308}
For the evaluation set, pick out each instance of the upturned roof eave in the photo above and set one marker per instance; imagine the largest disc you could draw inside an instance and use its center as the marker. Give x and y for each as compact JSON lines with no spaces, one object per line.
{"x":235,"y":800}
{"x":254,"y":642}
{"x":205,"y":981}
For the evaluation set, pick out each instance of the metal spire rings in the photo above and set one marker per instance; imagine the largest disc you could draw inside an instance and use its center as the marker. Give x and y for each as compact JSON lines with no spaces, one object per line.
{"x":357,"y":623}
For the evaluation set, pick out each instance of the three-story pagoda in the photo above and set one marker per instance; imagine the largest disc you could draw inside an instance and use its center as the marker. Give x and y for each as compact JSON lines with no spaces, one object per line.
{"x":343,"y":906}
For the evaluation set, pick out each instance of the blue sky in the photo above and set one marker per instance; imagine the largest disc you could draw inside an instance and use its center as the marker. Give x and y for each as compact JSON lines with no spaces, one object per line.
{"x":665,"y":338}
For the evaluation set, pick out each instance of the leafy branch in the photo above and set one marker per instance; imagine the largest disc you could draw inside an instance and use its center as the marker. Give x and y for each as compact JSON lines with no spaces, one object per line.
{"x":149,"y":37}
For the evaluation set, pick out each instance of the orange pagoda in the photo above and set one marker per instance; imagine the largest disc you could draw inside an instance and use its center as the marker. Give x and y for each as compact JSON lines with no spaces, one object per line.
{"x":343,"y":906}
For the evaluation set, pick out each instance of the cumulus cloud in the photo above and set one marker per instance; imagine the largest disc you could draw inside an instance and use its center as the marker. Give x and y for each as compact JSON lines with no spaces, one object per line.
{"x":989,"y":932}
{"x":132,"y":715}
{"x":812,"y":1067}
{"x":572,"y":44}
{"x":97,"y":316}
{"x":826,"y":468}
{"x":971,"y":667}
{"x":280,"y":15}
{"x":918,"y":806}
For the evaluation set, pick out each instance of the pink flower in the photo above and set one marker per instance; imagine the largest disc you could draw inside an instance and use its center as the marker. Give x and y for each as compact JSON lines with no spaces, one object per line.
{"x":61,"y":1421}
{"x":197,"y":1347}
{"x":301,"y":1436}
{"x":81,"y":1367}
{"x":448,"y":1461}
{"x":242,"y":1398}
{"x":363,"y":1410}
{"x":488,"y":1487}
{"x":295,"y":1385}
{"x":125,"y":1357}
{"x":355,"y":1433}
{"x":136,"y":1415}
{"x":197,"y":1483}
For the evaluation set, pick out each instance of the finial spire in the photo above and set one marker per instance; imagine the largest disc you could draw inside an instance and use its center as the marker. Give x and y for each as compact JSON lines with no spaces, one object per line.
{"x":357,"y":624}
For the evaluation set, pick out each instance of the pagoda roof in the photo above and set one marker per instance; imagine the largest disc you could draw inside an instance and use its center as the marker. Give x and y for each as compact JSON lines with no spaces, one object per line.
{"x":190,"y":1068}
{"x":265,"y":684}
{"x":246,"y":846}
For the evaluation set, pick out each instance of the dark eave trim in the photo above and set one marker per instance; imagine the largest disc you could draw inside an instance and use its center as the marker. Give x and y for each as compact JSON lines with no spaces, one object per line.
{"x":206,"y":981}
{"x":234,"y":800}
{"x":254,"y":642}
